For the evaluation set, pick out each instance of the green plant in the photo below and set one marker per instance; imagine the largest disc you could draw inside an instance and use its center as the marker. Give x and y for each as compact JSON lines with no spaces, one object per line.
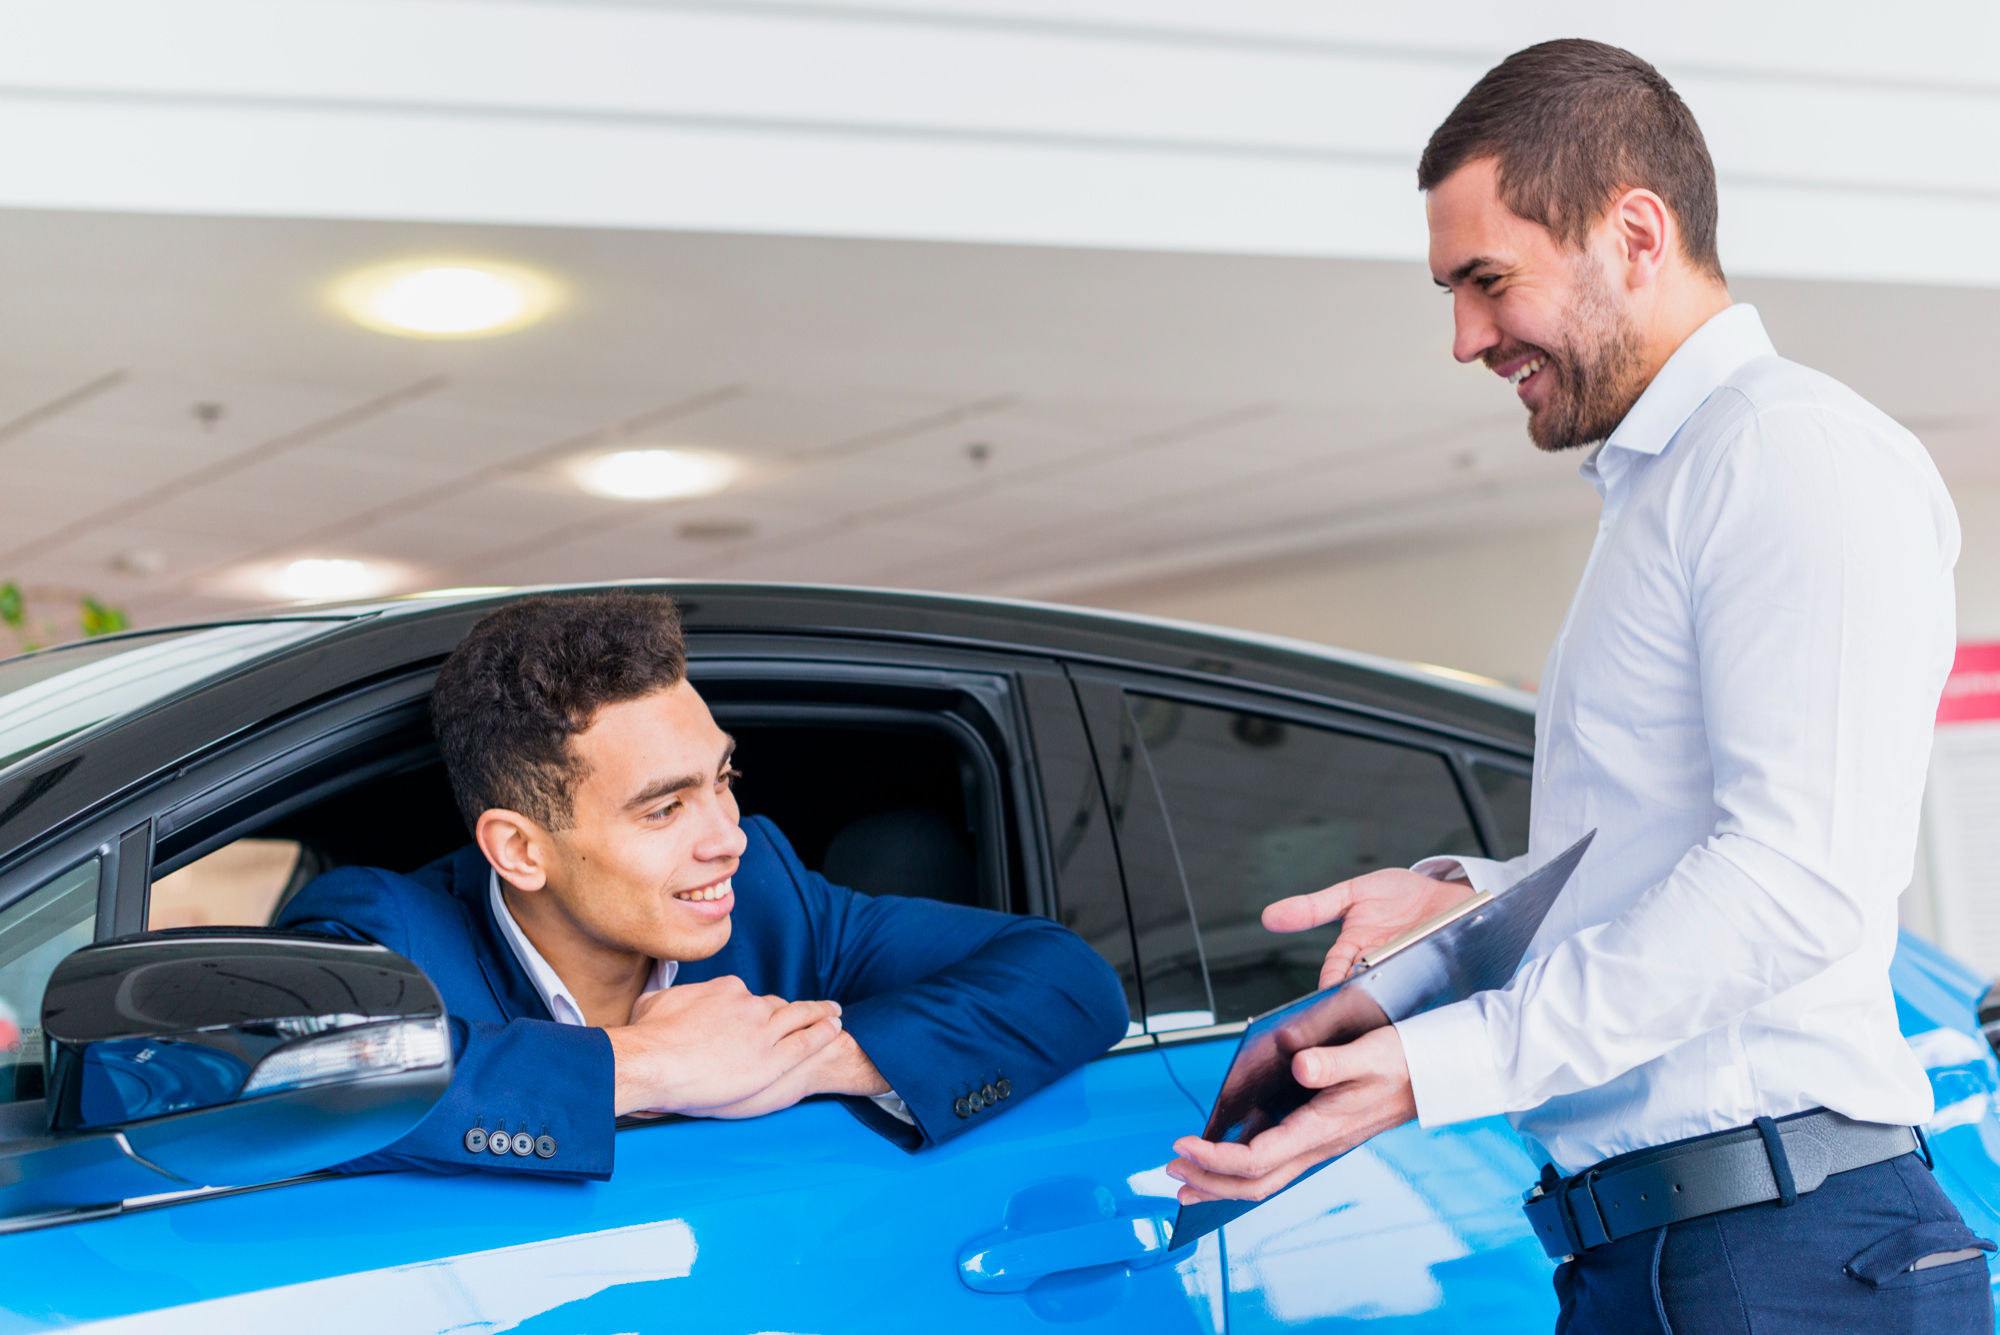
{"x":92,"y":617}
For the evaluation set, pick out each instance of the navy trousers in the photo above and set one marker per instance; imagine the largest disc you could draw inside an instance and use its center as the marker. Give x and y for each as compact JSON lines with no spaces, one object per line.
{"x":1836,"y":1259}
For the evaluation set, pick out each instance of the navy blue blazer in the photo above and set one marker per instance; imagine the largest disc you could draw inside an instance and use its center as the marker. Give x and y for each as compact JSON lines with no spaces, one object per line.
{"x":947,"y":1002}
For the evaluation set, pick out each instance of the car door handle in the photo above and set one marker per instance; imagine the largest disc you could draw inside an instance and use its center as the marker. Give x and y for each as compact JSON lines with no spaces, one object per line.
{"x":1009,"y":1261}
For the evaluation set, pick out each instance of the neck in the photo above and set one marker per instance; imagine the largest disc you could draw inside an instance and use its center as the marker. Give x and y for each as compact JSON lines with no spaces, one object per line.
{"x":1681,"y":308}
{"x":605,"y":981}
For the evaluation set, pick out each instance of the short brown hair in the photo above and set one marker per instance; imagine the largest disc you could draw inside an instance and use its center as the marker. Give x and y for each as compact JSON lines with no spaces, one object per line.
{"x":1571,"y":125}
{"x":534,"y":674}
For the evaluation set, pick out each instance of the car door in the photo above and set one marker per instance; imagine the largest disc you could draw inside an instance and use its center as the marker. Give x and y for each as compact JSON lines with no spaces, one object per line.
{"x":1226,"y":800}
{"x":804,"y":1220}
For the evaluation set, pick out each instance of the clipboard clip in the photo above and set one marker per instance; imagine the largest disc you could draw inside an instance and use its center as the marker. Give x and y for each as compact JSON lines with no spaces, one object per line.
{"x":1424,"y":929}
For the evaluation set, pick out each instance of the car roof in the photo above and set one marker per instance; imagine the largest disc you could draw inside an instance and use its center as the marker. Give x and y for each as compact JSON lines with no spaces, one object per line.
{"x":1438,"y":694}
{"x":371,"y":640}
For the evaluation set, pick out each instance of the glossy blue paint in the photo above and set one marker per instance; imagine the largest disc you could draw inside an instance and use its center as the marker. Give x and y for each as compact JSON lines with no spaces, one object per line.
{"x":805,"y":1220}
{"x":808,"y":1221}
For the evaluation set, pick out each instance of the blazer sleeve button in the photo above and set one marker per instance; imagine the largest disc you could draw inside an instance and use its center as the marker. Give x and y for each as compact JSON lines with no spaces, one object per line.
{"x":1003,"y":1086}
{"x":524,"y":1144}
{"x":989,"y":1096}
{"x":475,"y":1140}
{"x":545,"y":1146}
{"x":500,"y":1143}
{"x":961,"y":1107}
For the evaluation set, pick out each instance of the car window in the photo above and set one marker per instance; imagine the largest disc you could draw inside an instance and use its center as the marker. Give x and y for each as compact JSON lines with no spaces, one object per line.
{"x":36,"y":931}
{"x":1506,"y":793}
{"x":238,"y":885}
{"x":1258,"y":808}
{"x":55,"y":694}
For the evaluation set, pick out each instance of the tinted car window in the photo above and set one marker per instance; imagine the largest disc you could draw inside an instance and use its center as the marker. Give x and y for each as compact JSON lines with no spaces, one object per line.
{"x":1260,"y":808}
{"x":36,"y":931}
{"x":1507,"y":799}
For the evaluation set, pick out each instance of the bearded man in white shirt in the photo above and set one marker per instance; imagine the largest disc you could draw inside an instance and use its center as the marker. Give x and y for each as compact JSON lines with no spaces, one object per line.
{"x":1703,"y":1043}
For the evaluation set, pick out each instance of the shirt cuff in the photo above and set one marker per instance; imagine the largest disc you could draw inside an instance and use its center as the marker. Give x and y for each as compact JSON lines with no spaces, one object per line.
{"x":892,"y":1103}
{"x":1453,"y":1076}
{"x":1482,"y":874}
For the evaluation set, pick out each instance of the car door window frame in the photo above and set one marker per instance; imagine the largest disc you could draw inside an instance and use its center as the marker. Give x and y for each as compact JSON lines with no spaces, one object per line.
{"x":1102,"y":695}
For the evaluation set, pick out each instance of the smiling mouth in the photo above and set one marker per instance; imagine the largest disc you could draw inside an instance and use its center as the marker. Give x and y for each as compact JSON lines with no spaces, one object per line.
{"x":1524,"y":370}
{"x":707,"y":894}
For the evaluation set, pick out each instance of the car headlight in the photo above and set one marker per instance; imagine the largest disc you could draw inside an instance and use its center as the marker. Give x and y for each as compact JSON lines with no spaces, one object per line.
{"x":352,"y":1054}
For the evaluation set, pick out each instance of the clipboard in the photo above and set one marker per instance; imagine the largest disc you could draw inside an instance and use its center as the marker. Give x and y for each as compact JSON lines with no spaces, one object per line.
{"x":1474,"y":946}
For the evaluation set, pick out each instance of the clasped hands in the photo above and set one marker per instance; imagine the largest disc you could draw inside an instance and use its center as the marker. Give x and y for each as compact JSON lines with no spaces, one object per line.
{"x":716,"y":1049}
{"x":1364,"y":1085}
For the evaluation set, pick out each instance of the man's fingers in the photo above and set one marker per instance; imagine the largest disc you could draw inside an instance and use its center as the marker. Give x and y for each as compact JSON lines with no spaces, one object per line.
{"x":1340,"y":959}
{"x":793,"y":1015}
{"x":1317,"y":909}
{"x":1202,"y":1185}
{"x":1223,"y":1158}
{"x":1321,"y":1068}
{"x":802,"y":1044}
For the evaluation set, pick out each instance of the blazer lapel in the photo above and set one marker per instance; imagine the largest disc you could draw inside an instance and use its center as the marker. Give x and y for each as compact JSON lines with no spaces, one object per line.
{"x":512,"y":989}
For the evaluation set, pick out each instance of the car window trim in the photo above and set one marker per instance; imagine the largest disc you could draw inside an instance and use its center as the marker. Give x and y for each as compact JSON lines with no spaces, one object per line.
{"x":1324,"y":715}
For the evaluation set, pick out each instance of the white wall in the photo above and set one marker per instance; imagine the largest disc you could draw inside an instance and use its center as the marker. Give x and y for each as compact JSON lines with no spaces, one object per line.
{"x":1239,"y":126}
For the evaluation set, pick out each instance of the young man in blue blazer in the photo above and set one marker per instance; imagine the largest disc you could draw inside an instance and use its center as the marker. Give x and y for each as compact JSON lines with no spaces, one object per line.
{"x":618,"y":940}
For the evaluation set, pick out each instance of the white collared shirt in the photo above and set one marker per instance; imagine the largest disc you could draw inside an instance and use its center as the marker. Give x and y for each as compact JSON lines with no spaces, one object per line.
{"x":1740,"y":702}
{"x":562,"y":1005}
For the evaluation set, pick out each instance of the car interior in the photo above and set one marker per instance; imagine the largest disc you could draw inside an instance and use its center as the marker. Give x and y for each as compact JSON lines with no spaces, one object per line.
{"x":884,"y":800}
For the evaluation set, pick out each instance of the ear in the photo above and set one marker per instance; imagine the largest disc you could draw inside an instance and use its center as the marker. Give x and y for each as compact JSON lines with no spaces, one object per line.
{"x":1642,"y":229}
{"x":517,"y":846}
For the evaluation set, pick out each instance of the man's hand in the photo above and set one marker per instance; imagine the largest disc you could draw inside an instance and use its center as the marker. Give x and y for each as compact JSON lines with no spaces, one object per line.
{"x":1364,"y":1090}
{"x":841,"y":1067}
{"x":1372,"y":910}
{"x":713,"y":1044}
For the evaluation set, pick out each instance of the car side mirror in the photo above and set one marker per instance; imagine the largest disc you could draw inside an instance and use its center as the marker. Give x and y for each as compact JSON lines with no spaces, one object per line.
{"x":1988,"y":1014}
{"x":218,"y":1057}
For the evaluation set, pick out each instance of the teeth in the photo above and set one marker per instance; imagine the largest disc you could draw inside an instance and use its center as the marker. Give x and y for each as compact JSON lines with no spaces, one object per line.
{"x":1525,"y":371}
{"x":703,"y":896}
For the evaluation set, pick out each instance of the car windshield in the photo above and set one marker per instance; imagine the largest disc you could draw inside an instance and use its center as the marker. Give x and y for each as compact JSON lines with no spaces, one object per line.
{"x":48,"y":696}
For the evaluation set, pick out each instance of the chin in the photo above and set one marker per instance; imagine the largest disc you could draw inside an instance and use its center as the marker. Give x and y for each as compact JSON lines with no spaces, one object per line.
{"x":687,"y":947}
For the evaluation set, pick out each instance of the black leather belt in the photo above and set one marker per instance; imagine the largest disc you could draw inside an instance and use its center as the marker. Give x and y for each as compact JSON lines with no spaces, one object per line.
{"x":1774,"y":1159}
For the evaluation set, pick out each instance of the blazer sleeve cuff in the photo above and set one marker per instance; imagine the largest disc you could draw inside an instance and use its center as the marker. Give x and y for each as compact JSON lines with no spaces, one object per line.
{"x":552,"y":1083}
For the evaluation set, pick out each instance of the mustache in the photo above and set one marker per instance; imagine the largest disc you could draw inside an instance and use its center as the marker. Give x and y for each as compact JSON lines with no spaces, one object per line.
{"x":1497,"y":359}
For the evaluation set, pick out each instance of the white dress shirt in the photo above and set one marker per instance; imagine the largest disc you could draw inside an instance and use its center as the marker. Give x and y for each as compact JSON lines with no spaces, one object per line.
{"x":562,"y":1005}
{"x":1740,"y":702}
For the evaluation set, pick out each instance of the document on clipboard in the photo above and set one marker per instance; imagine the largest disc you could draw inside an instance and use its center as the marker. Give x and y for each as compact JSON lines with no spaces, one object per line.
{"x":1472,"y":947}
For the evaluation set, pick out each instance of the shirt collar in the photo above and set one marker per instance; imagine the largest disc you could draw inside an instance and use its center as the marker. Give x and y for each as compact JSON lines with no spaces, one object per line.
{"x":1707,"y":357}
{"x":555,"y":993}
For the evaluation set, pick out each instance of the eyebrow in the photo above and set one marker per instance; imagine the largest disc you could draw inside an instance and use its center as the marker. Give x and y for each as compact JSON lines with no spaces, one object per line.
{"x":660,"y":788}
{"x":1466,"y":270}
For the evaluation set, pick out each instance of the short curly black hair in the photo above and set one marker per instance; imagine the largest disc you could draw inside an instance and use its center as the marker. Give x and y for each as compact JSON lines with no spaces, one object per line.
{"x":534,"y":674}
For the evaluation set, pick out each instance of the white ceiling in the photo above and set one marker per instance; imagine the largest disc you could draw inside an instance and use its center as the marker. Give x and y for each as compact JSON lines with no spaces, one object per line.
{"x":1144,"y":414}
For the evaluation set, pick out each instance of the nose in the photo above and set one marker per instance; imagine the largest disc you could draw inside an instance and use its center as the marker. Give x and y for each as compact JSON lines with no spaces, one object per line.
{"x":722,"y":836}
{"x":1474,"y":332}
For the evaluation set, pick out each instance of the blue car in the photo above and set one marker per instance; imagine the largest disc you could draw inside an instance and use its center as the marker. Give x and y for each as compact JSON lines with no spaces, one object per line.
{"x":1150,"y":785}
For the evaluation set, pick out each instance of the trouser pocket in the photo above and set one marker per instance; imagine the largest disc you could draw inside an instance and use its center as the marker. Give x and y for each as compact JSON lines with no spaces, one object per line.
{"x":1926,"y":1253}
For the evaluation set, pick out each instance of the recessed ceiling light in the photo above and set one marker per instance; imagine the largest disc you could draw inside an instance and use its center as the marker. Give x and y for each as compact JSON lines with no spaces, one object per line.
{"x":656,"y":475}
{"x":325,"y":578}
{"x":445,"y":299}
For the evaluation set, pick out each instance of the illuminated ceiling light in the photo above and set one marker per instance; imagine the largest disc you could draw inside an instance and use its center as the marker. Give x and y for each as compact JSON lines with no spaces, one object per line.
{"x":656,"y":475}
{"x":318,"y":579}
{"x":445,"y":299}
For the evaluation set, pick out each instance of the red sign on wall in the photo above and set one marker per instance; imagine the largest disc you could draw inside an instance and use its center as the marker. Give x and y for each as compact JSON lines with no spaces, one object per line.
{"x":1972,"y":692}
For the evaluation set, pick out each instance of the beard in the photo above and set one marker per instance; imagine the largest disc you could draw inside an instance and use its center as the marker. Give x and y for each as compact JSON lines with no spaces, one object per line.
{"x":1595,"y":373}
